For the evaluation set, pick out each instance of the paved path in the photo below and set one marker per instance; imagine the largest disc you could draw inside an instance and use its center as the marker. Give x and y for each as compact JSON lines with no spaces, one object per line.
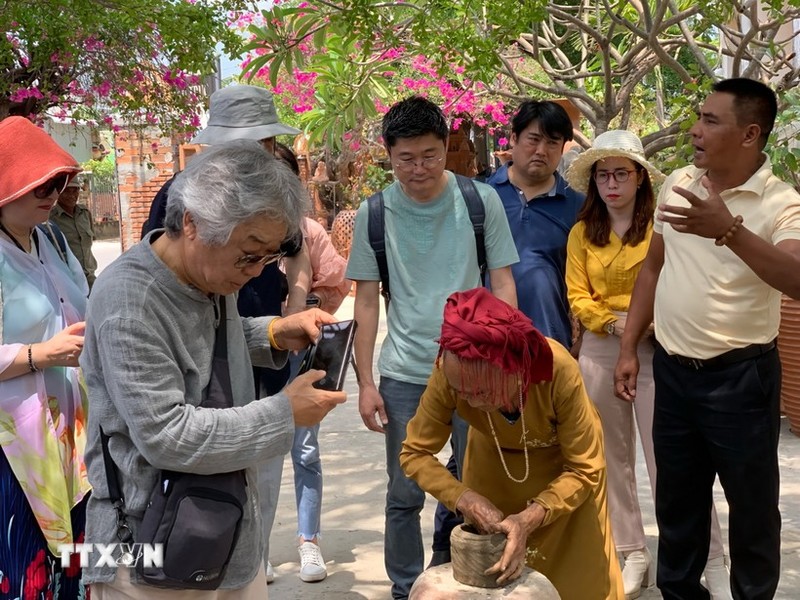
{"x":353,"y":505}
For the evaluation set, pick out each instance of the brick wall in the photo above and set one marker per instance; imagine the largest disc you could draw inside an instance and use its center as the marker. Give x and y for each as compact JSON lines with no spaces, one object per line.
{"x":144,"y":162}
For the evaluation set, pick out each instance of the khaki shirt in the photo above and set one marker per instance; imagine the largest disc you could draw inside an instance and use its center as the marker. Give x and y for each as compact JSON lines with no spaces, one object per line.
{"x":79,"y":231}
{"x":708,"y":301}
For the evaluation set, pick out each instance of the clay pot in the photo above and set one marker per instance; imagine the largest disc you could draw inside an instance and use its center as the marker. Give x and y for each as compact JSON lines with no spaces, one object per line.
{"x":473,"y":553}
{"x":437,"y":583}
{"x":789,"y":350}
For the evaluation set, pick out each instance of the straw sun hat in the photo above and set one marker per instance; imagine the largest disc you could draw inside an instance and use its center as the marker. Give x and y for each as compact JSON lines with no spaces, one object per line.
{"x":616,"y":142}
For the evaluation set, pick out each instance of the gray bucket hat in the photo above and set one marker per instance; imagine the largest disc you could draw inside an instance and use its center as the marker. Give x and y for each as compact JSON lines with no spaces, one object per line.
{"x":242,"y":112}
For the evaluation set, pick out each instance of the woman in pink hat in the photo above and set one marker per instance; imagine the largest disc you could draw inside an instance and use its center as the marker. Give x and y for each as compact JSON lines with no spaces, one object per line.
{"x":605,"y":252}
{"x":43,"y":484}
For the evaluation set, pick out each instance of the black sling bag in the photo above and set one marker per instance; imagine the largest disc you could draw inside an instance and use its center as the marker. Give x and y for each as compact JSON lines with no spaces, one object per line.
{"x":196,"y":518}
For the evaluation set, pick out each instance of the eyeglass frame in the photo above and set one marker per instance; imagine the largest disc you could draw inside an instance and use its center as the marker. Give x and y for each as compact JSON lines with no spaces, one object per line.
{"x":603,"y":177}
{"x":46,"y":189}
{"x":249,"y":260}
{"x":409,"y":164}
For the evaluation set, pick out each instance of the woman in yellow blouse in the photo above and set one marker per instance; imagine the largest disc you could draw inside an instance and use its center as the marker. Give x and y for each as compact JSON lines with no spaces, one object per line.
{"x":534,"y":466}
{"x":605,"y":251}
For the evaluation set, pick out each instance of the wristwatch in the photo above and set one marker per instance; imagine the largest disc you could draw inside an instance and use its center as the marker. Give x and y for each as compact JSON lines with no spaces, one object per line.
{"x":610,"y":328}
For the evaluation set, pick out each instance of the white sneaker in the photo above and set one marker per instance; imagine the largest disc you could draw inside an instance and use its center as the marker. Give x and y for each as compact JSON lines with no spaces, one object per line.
{"x":639,"y":573}
{"x":270,"y":573}
{"x":718,"y":581}
{"x":312,"y":566}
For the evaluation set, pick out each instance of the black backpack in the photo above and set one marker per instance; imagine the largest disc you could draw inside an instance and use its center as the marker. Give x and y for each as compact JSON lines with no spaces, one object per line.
{"x":376,"y":230}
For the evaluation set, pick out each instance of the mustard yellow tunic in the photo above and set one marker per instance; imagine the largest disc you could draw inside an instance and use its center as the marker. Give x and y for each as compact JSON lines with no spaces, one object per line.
{"x":573,"y":547}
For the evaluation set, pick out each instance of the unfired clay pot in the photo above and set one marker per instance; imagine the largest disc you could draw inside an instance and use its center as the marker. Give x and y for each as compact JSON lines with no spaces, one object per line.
{"x":473,"y":553}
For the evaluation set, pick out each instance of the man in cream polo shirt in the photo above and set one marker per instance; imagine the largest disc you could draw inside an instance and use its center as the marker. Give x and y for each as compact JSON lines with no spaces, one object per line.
{"x":726,"y":243}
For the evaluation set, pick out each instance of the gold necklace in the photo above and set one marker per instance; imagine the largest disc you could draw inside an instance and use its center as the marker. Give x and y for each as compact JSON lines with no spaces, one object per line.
{"x":524,"y":444}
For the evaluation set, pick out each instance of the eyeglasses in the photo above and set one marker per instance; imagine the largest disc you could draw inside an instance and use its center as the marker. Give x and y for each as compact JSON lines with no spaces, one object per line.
{"x":249,"y":260}
{"x":619,"y":175}
{"x":55,"y":184}
{"x":407,"y":166}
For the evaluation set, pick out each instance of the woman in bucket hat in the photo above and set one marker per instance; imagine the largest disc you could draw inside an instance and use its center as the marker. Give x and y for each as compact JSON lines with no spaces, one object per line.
{"x":605,"y":251}
{"x":43,"y":483}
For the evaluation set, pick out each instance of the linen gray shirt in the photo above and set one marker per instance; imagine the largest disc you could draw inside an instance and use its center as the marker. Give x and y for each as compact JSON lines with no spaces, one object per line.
{"x":147,"y":359}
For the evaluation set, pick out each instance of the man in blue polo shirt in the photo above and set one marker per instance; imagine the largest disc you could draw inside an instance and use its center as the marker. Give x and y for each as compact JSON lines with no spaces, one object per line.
{"x":541,"y":209}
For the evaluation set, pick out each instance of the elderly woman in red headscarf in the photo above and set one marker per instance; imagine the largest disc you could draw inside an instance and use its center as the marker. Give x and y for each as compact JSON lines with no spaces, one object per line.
{"x":534,"y":466}
{"x":43,"y":483}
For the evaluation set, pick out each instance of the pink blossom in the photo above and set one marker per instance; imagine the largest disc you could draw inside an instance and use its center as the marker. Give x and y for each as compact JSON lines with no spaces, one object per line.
{"x":502,"y":142}
{"x":22,"y":94}
{"x":391,"y":54}
{"x":92,"y":44}
{"x":104,"y":89}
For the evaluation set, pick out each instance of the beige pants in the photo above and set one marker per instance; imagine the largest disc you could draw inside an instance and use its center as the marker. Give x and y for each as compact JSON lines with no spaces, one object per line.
{"x":597,"y":361}
{"x":122,"y":589}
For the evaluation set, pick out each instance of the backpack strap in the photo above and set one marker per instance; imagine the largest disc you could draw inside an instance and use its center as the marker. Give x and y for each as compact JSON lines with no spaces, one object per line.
{"x":477,"y":214}
{"x":376,"y":232}
{"x":56,"y":237}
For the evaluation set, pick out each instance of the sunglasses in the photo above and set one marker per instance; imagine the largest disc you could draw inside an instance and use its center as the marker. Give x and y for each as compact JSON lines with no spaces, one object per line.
{"x":55,"y":184}
{"x":248,"y":260}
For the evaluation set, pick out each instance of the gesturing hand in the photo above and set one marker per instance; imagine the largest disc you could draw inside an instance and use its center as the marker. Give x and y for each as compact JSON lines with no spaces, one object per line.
{"x":709,"y":218}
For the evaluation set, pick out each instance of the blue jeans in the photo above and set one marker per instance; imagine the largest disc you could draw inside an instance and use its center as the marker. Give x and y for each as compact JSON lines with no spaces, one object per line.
{"x":307,"y":481}
{"x":307,"y":471}
{"x":403,"y":552}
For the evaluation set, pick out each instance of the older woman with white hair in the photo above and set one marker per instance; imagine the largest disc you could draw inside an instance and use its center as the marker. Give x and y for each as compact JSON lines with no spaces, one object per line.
{"x":150,"y":340}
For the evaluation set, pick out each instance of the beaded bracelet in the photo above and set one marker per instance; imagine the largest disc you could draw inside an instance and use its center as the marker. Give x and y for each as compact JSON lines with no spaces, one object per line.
{"x":271,"y":335}
{"x":31,"y":365}
{"x":728,"y":236}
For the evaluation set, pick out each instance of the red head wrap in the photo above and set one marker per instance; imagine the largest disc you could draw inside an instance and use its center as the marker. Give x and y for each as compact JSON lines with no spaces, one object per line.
{"x":28,"y":158}
{"x":479,"y":326}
